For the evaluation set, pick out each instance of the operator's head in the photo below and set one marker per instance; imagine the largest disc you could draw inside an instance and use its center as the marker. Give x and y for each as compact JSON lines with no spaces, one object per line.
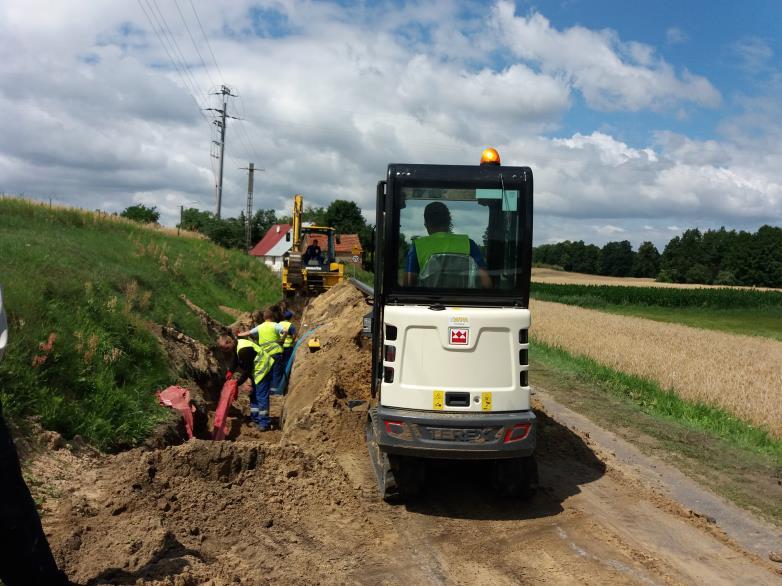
{"x":226,"y":343}
{"x":268,"y":314}
{"x":314,"y":241}
{"x":437,"y":217}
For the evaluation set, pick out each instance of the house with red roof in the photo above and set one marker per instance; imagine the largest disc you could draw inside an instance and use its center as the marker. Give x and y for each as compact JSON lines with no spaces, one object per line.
{"x":275,"y":243}
{"x":349,"y":250}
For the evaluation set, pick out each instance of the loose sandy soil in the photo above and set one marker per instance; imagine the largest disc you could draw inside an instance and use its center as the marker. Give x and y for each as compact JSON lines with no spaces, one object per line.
{"x":299,"y":505}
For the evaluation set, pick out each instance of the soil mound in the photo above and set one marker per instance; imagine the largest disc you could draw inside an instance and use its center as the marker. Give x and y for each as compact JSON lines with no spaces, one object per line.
{"x":229,"y":512}
{"x":333,"y":380}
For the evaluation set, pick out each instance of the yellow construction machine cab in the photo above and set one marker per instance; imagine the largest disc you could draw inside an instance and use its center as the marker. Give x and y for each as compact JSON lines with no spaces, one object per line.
{"x":309,"y":276}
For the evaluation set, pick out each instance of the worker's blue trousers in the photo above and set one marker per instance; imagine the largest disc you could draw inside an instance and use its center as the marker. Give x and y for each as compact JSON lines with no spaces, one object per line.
{"x":277,"y":369}
{"x":286,"y":356}
{"x":259,"y":402}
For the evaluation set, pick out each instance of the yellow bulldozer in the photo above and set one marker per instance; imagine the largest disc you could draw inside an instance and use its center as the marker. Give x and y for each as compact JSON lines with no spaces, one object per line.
{"x":309,"y":268}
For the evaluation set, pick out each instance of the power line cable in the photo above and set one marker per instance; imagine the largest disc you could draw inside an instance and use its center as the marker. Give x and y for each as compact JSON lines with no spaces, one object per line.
{"x":244,"y":124}
{"x":175,"y":45}
{"x":171,"y":57}
{"x":195,"y":45}
{"x":179,"y":72}
{"x":208,"y":44}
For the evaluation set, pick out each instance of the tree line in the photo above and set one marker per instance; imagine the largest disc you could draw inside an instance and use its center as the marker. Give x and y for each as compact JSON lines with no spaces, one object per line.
{"x":342,"y":215}
{"x":713,"y":257}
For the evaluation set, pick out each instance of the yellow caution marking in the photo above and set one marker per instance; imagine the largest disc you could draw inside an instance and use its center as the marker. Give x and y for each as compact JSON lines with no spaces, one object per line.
{"x":438,"y":400}
{"x":486,"y":401}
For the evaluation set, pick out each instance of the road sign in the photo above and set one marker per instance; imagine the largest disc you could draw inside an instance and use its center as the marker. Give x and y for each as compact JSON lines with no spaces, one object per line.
{"x":356,"y":250}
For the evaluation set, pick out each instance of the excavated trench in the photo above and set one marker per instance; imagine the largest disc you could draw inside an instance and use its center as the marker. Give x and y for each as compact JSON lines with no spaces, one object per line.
{"x":299,"y":505}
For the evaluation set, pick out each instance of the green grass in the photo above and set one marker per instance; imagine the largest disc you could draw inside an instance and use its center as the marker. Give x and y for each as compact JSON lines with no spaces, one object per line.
{"x":365,"y":277}
{"x":714,"y":298}
{"x":96,"y":284}
{"x":740,"y":311}
{"x":765,"y":322}
{"x":650,"y":398}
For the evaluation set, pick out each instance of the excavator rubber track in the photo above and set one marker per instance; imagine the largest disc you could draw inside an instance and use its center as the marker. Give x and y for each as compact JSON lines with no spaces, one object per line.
{"x":387,"y":485}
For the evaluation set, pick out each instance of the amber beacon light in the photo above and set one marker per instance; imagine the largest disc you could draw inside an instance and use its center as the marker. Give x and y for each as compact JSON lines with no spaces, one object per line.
{"x":490,"y":157}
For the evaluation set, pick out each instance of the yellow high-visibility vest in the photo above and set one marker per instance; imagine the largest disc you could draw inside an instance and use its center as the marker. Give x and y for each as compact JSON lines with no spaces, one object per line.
{"x":268,"y":339}
{"x":288,"y":340}
{"x":440,"y":243}
{"x":262,"y":364}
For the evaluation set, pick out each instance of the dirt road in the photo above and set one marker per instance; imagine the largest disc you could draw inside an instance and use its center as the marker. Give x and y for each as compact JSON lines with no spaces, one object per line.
{"x":299,"y":505}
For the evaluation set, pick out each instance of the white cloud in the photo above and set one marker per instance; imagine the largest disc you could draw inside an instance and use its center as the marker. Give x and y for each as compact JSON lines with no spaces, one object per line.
{"x":330,"y":104}
{"x":755,"y":54}
{"x":610,"y":73}
{"x":675,"y":36}
{"x":609,"y":230}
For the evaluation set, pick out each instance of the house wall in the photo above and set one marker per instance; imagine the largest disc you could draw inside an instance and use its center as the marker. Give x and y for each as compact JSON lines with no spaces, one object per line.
{"x":347,"y":258}
{"x":273,"y":262}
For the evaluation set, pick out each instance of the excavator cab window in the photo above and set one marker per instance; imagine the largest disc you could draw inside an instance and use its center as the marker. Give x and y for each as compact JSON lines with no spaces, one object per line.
{"x":459,"y":238}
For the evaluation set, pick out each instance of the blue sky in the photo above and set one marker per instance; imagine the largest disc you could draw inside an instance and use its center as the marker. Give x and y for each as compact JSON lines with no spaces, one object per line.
{"x":704,"y":37}
{"x":639,"y":119}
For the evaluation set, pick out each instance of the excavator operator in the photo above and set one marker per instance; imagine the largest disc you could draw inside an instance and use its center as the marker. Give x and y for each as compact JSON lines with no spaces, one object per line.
{"x":441,"y":240}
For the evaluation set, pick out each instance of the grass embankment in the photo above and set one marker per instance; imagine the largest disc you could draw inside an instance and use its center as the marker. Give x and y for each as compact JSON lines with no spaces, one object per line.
{"x":736,"y":459}
{"x":740,"y":311}
{"x":366,"y":277}
{"x":80,"y":290}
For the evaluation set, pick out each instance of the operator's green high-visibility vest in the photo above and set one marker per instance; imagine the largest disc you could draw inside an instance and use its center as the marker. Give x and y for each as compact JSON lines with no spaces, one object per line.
{"x":262,"y":364}
{"x":440,"y":243}
{"x":288,"y":340}
{"x":268,"y":338}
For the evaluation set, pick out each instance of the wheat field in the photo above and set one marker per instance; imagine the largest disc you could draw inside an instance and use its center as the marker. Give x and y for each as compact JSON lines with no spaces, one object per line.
{"x":740,"y":374}
{"x":543,"y":275}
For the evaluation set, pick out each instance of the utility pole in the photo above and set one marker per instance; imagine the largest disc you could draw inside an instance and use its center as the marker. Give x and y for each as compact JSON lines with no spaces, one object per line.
{"x":223,"y":112}
{"x":249,"y":212}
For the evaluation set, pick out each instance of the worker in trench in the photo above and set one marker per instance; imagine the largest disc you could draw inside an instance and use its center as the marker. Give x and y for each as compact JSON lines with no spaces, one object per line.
{"x":270,"y":335}
{"x":249,"y":362}
{"x":289,"y":339}
{"x":264,"y":340}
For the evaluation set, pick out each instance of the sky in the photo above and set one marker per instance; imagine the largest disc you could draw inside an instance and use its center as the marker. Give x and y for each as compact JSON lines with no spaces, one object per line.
{"x":639,"y":120}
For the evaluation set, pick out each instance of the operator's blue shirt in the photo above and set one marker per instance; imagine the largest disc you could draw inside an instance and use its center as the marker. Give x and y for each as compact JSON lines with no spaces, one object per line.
{"x":412,"y":257}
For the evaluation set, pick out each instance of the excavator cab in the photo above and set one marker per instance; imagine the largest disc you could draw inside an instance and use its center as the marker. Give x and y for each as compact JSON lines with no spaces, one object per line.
{"x":450,"y":324}
{"x":303,"y":273}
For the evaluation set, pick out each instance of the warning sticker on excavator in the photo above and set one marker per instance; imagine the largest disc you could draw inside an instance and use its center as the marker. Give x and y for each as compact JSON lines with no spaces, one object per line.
{"x":438,"y":400}
{"x":486,"y":401}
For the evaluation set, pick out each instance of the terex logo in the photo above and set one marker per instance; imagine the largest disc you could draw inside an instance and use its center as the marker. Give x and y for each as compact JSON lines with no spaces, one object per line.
{"x":463,"y":435}
{"x":459,"y":336}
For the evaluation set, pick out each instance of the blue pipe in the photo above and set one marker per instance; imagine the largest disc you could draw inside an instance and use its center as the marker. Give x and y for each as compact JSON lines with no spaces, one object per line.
{"x":289,"y":366}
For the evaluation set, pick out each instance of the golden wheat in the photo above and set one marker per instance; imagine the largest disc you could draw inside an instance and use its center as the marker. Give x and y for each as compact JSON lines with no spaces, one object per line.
{"x":541,"y":275}
{"x":741,"y":374}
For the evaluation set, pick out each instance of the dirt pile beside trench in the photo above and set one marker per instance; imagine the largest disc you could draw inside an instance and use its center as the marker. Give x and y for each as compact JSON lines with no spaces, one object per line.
{"x":326,"y":384}
{"x":229,"y":512}
{"x":255,"y":510}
